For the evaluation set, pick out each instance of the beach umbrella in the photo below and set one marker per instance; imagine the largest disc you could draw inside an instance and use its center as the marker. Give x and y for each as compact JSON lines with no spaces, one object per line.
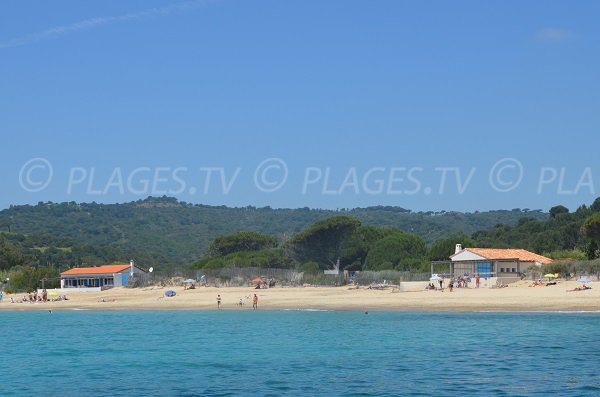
{"x":190,"y":281}
{"x":435,"y":277}
{"x":550,"y":275}
{"x":170,"y":293}
{"x":53,"y":293}
{"x":584,"y":280}
{"x":256,"y":280}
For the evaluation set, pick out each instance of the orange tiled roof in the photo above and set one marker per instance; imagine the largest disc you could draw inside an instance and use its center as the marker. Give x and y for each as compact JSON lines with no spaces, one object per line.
{"x":97,"y":270}
{"x":509,"y":253}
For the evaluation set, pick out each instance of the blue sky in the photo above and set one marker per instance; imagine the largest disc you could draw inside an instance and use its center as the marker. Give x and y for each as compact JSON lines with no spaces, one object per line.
{"x":344,"y":103}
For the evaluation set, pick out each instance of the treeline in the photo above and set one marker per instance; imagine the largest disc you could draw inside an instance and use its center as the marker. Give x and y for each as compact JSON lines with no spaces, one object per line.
{"x":164,"y":232}
{"x":340,"y":242}
{"x":564,"y":235}
{"x":344,"y":242}
{"x":38,"y":242}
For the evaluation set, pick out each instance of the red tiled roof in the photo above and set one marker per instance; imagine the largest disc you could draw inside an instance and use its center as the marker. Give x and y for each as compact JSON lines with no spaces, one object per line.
{"x":509,"y":253}
{"x":97,"y":270}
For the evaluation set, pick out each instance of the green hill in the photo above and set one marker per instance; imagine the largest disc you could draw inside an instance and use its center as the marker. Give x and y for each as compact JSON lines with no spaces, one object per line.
{"x":163,"y":232}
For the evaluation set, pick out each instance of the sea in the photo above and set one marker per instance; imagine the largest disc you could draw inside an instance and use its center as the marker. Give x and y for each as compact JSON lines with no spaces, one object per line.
{"x":298,"y":353}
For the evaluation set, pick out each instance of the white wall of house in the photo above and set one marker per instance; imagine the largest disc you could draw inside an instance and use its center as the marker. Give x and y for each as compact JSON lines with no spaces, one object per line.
{"x":118,"y":280}
{"x":507,"y":268}
{"x":118,"y":277}
{"x":465,"y":255}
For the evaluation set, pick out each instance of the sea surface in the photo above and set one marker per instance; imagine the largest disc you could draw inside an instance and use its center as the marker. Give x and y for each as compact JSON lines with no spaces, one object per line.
{"x":308,"y":353}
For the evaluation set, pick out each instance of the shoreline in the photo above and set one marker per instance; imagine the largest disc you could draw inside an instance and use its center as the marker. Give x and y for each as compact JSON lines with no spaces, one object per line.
{"x":316,"y":310}
{"x":517,"y":297}
{"x":311,"y":309}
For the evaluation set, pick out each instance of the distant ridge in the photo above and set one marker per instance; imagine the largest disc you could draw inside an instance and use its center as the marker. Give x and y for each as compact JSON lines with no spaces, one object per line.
{"x":159,"y":230}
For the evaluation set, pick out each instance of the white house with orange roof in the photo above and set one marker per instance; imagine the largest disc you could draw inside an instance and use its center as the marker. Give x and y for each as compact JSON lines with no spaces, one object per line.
{"x":494,"y":262}
{"x":99,"y":277}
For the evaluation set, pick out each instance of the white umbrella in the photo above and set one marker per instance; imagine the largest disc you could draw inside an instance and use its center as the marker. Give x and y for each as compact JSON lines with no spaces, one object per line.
{"x":190,"y":281}
{"x":584,"y":280}
{"x":435,"y":277}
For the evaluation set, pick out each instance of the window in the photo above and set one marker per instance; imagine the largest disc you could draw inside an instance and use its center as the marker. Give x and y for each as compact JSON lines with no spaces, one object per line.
{"x":484,"y":269}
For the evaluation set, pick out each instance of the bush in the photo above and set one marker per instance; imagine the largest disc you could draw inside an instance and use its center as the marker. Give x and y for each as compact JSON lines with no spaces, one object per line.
{"x":322,"y":279}
{"x":267,"y":258}
{"x":387,"y":265}
{"x":25,"y":278}
{"x":393,"y":249}
{"x":356,"y":265}
{"x":557,"y":267}
{"x":310,"y":268}
{"x":567,"y":254}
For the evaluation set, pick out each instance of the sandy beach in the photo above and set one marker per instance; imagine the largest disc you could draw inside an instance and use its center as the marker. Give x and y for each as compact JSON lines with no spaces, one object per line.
{"x":516,"y":297}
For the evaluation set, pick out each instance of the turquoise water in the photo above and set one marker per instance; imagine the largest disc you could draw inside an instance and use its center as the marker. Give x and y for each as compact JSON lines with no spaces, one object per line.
{"x":274,"y":353}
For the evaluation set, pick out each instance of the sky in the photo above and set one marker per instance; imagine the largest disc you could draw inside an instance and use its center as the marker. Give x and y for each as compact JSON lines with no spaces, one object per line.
{"x":427,"y":105}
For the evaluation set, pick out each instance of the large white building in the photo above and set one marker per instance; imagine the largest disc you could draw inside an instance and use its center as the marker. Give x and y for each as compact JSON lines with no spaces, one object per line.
{"x":494,"y":262}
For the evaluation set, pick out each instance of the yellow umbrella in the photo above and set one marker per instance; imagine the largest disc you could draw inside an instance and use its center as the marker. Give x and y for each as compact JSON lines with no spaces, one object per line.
{"x":550,"y":275}
{"x":53,"y":293}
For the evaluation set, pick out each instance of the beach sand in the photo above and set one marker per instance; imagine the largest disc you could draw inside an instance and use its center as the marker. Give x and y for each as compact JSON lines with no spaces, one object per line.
{"x":516,"y":297}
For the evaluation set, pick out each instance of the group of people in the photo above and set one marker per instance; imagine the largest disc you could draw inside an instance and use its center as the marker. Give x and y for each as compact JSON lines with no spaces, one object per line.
{"x":241,"y":302}
{"x":461,"y":282}
{"x":265,"y":285}
{"x":34,"y":297}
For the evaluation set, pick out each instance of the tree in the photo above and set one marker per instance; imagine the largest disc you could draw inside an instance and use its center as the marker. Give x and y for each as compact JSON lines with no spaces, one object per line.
{"x":26,"y":278}
{"x":239,"y":242}
{"x":310,"y":267}
{"x":596,"y":205}
{"x":591,"y":227}
{"x":591,"y":250}
{"x":558,"y":210}
{"x":6,"y":223}
{"x":10,"y":254}
{"x":398,"y":249}
{"x":360,"y":242}
{"x":267,"y":258}
{"x":442,"y":249}
{"x":323,"y":241}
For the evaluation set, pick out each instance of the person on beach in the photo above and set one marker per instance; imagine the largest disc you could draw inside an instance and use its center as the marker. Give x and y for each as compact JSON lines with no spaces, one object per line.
{"x":442,"y":284}
{"x":477,"y":280}
{"x":1,"y":296}
{"x":254,"y":302}
{"x":451,"y":283}
{"x":218,"y":301}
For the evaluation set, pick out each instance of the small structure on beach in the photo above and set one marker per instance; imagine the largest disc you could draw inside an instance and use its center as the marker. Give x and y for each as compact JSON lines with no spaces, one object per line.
{"x":494,"y":262}
{"x":99,"y":277}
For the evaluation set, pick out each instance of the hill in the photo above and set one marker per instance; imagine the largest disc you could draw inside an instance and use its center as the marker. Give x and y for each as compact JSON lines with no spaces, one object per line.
{"x":164,"y":232}
{"x":562,"y":231}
